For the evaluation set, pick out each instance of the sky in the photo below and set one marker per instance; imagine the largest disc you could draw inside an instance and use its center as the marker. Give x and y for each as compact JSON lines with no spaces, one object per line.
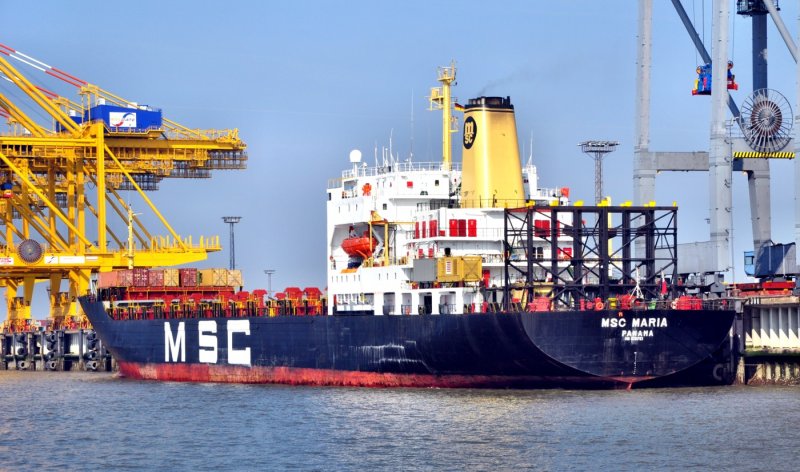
{"x":305,"y":82}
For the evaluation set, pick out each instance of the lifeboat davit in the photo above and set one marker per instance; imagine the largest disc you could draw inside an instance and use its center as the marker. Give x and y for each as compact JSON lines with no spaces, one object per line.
{"x":359,"y":246}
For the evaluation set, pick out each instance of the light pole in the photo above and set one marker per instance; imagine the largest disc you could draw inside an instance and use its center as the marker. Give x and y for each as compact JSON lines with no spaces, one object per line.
{"x":597,"y":150}
{"x":232,"y":220}
{"x":269,"y":273}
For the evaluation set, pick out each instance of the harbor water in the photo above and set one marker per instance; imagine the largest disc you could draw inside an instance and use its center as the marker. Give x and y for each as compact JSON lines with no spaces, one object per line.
{"x":96,"y":421}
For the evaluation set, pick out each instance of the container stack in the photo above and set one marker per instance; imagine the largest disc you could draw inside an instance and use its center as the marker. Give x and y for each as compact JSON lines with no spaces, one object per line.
{"x":187,"y":278}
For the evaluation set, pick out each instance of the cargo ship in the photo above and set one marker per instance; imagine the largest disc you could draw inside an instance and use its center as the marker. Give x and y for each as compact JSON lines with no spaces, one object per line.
{"x":441,"y":275}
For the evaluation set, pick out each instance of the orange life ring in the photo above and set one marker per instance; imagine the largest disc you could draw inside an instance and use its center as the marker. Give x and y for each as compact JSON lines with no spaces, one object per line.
{"x":598,"y":305}
{"x":366,"y":189}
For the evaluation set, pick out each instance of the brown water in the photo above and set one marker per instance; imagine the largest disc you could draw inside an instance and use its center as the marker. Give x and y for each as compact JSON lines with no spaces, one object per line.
{"x":88,"y":421}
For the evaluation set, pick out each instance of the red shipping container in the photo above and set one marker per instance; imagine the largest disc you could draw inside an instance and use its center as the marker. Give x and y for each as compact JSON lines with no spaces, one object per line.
{"x":472,"y":228}
{"x":453,"y":227}
{"x":188,"y":277}
{"x":107,"y":279}
{"x":424,"y":229}
{"x":462,"y":228}
{"x":156,"y":278}
{"x":140,"y":277}
{"x":433,"y":228}
{"x":125,"y":278}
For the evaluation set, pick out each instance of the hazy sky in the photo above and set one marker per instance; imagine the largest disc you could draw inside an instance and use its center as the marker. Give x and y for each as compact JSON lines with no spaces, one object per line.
{"x":305,"y":82}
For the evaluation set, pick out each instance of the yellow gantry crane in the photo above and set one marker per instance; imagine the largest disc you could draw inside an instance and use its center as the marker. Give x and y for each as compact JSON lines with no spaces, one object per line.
{"x":60,"y":178}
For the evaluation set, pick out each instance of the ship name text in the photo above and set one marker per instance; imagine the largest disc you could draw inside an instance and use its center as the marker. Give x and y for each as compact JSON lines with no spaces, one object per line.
{"x":635,"y":328}
{"x":208,"y":344}
{"x":634,"y":323}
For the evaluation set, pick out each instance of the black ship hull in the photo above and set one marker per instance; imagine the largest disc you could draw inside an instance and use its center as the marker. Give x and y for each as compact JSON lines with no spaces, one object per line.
{"x":589,"y":349}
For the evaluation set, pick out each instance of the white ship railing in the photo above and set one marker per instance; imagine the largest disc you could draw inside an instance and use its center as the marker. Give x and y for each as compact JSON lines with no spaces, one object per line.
{"x":396,"y":168}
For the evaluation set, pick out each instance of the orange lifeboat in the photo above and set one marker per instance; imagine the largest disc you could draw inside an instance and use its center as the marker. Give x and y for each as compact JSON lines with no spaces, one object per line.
{"x":359,"y":246}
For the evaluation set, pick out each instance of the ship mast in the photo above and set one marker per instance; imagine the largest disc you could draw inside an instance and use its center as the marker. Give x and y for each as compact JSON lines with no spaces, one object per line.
{"x":440,"y":99}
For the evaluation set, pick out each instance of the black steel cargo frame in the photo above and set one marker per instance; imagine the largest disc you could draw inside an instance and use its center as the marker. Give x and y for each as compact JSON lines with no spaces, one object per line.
{"x":595,"y":268}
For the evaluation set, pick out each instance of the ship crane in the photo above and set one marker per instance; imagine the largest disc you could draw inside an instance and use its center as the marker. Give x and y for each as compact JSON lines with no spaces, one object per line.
{"x":56,"y":227}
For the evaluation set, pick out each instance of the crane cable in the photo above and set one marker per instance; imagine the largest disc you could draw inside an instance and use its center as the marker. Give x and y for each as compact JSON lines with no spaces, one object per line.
{"x":733,"y":39}
{"x":46,"y":68}
{"x":704,"y":22}
{"x":694,"y":22}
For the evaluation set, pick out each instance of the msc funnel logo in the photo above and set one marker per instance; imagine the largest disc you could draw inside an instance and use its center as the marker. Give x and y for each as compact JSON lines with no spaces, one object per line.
{"x":122,"y":119}
{"x":470,"y":131}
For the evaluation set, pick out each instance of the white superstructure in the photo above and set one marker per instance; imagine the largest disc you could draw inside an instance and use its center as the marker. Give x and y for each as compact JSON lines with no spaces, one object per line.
{"x":413,"y":212}
{"x":429,"y":238}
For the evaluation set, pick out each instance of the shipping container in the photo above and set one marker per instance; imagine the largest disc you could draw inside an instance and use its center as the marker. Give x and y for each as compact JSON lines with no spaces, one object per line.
{"x":449,"y":269}
{"x":140,"y":277}
{"x":473,"y":268}
{"x":188,"y":277}
{"x":156,"y":278}
{"x":219,"y":277}
{"x":212,"y":277}
{"x":204,"y":278}
{"x":312,"y":293}
{"x":108,"y":279}
{"x":235,"y":278}
{"x":125,"y":278}
{"x":171,"y":278}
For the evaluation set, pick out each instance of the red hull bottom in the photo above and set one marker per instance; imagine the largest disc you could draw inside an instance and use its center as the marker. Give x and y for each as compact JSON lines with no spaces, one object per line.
{"x":324,"y":377}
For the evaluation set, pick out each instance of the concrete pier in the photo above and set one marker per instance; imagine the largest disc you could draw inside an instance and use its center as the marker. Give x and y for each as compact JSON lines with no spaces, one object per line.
{"x":60,"y":350}
{"x":771,"y":344}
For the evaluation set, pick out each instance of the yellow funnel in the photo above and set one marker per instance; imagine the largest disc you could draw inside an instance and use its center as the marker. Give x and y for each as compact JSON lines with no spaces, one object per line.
{"x":491,"y":172}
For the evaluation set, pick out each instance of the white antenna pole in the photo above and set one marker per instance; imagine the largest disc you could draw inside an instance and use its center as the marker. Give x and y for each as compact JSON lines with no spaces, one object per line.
{"x":411,"y":152}
{"x":376,"y":153}
{"x":530,"y":156}
{"x":391,"y":154}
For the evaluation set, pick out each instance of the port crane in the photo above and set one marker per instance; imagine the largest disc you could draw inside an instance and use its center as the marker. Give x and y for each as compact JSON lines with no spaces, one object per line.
{"x":63,"y":164}
{"x":760,"y":129}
